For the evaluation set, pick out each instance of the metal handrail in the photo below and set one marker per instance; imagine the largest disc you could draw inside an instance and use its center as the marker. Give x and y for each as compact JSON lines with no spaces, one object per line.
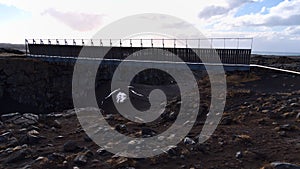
{"x":119,"y":42}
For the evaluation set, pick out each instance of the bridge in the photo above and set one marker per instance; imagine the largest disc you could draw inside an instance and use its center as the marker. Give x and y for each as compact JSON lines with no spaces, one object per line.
{"x":234,"y":53}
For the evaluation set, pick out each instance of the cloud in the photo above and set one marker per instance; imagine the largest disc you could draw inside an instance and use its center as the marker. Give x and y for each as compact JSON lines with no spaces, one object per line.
{"x":295,"y":30}
{"x":77,"y":21}
{"x":214,"y":10}
{"x":285,"y":14}
{"x":273,"y":20}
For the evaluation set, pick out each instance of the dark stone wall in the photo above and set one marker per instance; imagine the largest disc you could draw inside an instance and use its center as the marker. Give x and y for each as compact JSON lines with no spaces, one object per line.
{"x":36,"y":85}
{"x":33,"y":85}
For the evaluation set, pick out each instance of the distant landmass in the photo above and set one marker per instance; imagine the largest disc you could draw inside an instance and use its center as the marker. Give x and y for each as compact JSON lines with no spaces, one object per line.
{"x":276,"y":53}
{"x":20,"y":47}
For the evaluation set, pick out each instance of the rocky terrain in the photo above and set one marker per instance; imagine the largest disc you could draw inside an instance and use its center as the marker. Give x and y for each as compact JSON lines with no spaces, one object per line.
{"x":283,"y":62}
{"x":260,"y":128}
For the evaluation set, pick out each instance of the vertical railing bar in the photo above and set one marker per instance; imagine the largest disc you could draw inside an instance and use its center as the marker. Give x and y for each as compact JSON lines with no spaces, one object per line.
{"x":174,"y":43}
{"x":26,"y":43}
{"x":152,"y":43}
{"x":186,"y":45}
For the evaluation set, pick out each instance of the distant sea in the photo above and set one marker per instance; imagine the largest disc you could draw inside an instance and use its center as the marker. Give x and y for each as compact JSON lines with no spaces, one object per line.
{"x":276,"y":53}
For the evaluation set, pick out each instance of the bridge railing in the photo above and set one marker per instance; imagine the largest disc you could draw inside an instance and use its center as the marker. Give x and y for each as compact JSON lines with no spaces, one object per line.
{"x":216,"y":43}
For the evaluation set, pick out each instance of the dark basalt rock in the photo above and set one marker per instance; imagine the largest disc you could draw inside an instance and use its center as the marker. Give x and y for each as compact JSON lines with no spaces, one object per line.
{"x":18,"y":156}
{"x":70,"y":146}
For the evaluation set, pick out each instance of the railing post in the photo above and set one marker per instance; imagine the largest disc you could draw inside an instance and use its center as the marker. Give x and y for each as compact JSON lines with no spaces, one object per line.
{"x":186,"y":44}
{"x":174,"y":43}
{"x":26,"y":43}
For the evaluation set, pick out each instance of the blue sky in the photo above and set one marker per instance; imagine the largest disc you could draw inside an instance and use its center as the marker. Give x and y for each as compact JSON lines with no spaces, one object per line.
{"x":10,"y":13}
{"x":274,"y":24}
{"x":257,"y":7}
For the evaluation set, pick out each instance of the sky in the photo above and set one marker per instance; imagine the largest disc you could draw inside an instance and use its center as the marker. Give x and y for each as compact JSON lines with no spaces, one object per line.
{"x":274,"y":24}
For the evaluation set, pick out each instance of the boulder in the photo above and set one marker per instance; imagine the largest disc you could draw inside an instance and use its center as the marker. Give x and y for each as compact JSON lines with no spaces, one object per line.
{"x":188,"y":141}
{"x":147,"y":132}
{"x":82,"y":157}
{"x":22,"y":120}
{"x":281,"y":165}
{"x":30,"y":138}
{"x":18,"y":156}
{"x":70,"y":146}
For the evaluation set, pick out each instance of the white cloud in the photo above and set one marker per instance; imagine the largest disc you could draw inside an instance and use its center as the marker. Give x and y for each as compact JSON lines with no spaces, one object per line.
{"x":263,"y":9}
{"x":219,"y":9}
{"x":77,"y":21}
{"x":281,"y":24}
{"x":285,"y":13}
{"x":293,"y":30}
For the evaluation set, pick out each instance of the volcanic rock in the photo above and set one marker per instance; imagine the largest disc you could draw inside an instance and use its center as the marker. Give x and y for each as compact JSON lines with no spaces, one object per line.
{"x":70,"y":146}
{"x":32,"y":137}
{"x":121,"y":127}
{"x":18,"y":156}
{"x":147,"y":132}
{"x":188,"y":141}
{"x":82,"y":157}
{"x":22,"y":120}
{"x":281,"y":165}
